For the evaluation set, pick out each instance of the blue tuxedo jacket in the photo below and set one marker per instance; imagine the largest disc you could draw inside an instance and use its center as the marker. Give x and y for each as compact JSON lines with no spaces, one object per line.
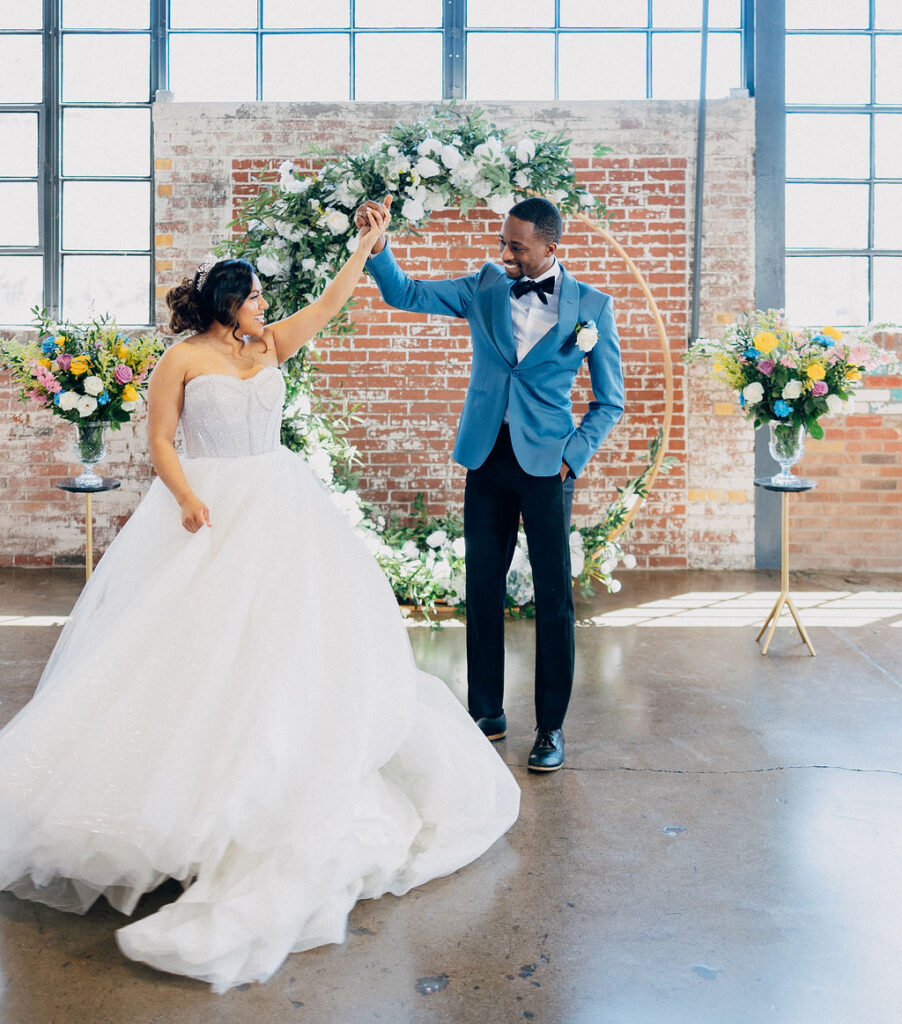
{"x":537,"y":389}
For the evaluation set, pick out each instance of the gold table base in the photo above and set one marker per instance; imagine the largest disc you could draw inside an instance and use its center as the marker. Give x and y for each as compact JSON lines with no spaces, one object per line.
{"x":71,"y":484}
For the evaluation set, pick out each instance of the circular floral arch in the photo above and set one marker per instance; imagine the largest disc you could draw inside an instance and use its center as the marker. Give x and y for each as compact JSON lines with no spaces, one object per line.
{"x":298,"y":231}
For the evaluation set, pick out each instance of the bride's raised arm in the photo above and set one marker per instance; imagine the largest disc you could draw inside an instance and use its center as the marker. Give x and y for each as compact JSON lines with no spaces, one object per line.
{"x":296,"y":330}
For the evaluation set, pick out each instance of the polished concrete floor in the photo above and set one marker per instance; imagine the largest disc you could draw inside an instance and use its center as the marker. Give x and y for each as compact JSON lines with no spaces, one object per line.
{"x":724,"y":844}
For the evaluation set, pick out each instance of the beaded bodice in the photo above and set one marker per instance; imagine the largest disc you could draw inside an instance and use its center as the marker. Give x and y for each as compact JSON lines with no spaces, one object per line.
{"x":226,"y":417}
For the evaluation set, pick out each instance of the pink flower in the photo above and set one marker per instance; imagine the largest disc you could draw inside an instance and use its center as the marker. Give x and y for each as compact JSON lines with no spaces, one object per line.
{"x":123,"y":374}
{"x":819,"y":388}
{"x":47,"y":380}
{"x":766,"y":366}
{"x":63,"y":360}
{"x":788,"y":360}
{"x":859,"y":355}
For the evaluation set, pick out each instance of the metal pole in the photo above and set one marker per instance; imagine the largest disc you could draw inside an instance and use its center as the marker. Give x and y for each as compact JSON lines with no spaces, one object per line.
{"x":699,"y":176}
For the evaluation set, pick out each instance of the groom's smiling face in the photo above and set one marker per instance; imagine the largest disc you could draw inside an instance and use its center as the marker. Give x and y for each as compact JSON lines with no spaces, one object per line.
{"x":524,"y":252}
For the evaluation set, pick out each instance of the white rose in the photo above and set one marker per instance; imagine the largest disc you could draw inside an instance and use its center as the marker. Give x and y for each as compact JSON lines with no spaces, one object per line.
{"x":451,"y":156}
{"x":464,"y":173}
{"x":520,"y":179}
{"x":93,"y":386}
{"x":587,"y":338}
{"x":441,"y":570}
{"x":459,"y":547}
{"x":86,"y":405}
{"x":308,"y":263}
{"x":586,"y":200}
{"x":791,"y":389}
{"x":577,"y":562}
{"x":126,"y":406}
{"x":348,"y":192}
{"x":429,"y":146}
{"x":834,"y":404}
{"x":287,"y":230}
{"x":481,"y":188}
{"x":526,"y":150}
{"x":353,"y":242}
{"x":576,"y":540}
{"x":501,"y":204}
{"x":269,"y":266}
{"x":426,"y":167}
{"x":558,"y":194}
{"x":753,"y":393}
{"x":68,"y":401}
{"x":285,"y":168}
{"x":614,"y":586}
{"x":413,"y":210}
{"x":410,"y":549}
{"x":608,"y":566}
{"x":299,"y":407}
{"x":436,"y":538}
{"x":629,"y":561}
{"x":433,"y":201}
{"x":336,"y":221}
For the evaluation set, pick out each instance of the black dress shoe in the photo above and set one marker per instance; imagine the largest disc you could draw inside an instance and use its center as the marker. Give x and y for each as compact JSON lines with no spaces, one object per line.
{"x":547,"y":754}
{"x":493,"y":728}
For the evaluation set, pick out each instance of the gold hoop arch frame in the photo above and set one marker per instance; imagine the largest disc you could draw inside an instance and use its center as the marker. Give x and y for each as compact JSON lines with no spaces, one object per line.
{"x":664,"y":429}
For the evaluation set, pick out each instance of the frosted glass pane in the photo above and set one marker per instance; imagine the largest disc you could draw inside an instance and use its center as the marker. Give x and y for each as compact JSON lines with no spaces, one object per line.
{"x":19,"y":152}
{"x":888,"y":216}
{"x":21,"y":72}
{"x":827,"y":13}
{"x":221,"y":14}
{"x":602,"y":66}
{"x":398,"y":14}
{"x":489,"y":78}
{"x":22,"y":14}
{"x":106,"y":14}
{"x":887,"y":290}
{"x":118,"y":285}
{"x":19,"y":203}
{"x":888,"y":145}
{"x":826,"y":216}
{"x":306,"y":68}
{"x":106,"y":215}
{"x":399,"y":67}
{"x":604,"y":13}
{"x":21,"y":284}
{"x":827,"y":145}
{"x":213,"y":67}
{"x":306,"y":14}
{"x":888,"y":14}
{"x":676,"y":60}
{"x":688,"y":14}
{"x":888,"y":70}
{"x":828,"y":69}
{"x":827,"y":290}
{"x":106,"y":68}
{"x":106,"y":142}
{"x":523,"y":14}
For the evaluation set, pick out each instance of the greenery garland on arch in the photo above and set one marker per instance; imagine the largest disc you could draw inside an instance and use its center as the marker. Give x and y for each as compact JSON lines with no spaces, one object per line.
{"x":298,"y":230}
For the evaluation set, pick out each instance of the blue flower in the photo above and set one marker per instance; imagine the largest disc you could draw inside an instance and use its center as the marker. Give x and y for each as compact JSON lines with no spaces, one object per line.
{"x":782,"y":409}
{"x":103,"y":399}
{"x":49,"y":347}
{"x":823,"y":340}
{"x":57,"y":397}
{"x":751,"y":353}
{"x":741,"y":400}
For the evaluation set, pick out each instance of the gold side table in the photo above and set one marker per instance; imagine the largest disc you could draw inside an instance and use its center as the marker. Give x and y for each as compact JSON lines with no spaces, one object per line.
{"x":107,"y":483}
{"x":783,"y":598}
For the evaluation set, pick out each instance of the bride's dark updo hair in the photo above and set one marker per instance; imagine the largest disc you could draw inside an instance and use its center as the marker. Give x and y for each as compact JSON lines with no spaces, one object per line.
{"x":216,"y":295}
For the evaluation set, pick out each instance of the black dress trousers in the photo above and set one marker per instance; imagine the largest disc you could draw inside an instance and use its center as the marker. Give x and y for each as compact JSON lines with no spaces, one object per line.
{"x":497,"y":494}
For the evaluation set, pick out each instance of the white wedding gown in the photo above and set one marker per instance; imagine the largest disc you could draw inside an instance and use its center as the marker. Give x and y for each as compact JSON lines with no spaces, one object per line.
{"x":239,"y":709}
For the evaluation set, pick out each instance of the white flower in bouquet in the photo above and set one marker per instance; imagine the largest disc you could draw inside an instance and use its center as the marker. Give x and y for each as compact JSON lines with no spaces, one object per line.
{"x":835,"y":404}
{"x":577,"y":561}
{"x":93,"y":386}
{"x":352,"y":243}
{"x":413,"y":210}
{"x":500,"y":204}
{"x":490,"y":150}
{"x":349,"y":504}
{"x":300,"y":406}
{"x":433,"y":201}
{"x":86,"y":405}
{"x":464,"y":174}
{"x":336,"y":221}
{"x":459,"y":547}
{"x":129,"y":406}
{"x":791,"y":389}
{"x":753,"y":393}
{"x":558,"y":195}
{"x":349,"y":192}
{"x":409,"y":549}
{"x":526,"y":150}
{"x":481,"y":188}
{"x":308,"y":263}
{"x":429,"y":147}
{"x":586,"y":199}
{"x":614,"y":587}
{"x":426,"y":167}
{"x":290,"y":183}
{"x":436,"y":538}
{"x":68,"y":400}
{"x":451,"y":157}
{"x":629,"y":561}
{"x":520,"y":179}
{"x":441,"y":570}
{"x":608,"y":566}
{"x":269,"y":266}
{"x":289,"y":232}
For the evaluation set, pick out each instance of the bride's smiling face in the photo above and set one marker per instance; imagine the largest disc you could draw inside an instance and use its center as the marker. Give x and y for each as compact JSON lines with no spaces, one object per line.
{"x":252,"y":313}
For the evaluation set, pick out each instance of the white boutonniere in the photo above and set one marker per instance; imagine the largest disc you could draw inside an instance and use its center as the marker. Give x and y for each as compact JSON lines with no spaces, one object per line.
{"x":586,"y":335}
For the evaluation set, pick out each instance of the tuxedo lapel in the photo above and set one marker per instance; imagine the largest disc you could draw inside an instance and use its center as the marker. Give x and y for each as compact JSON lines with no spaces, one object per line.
{"x":502,"y":325}
{"x":567,"y":313}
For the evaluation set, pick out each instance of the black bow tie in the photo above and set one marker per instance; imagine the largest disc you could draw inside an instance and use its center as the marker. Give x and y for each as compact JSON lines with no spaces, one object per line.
{"x":546,"y":285}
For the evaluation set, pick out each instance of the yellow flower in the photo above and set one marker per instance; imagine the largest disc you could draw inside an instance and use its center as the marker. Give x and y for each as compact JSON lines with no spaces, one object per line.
{"x":718,"y":367}
{"x":816,"y":371}
{"x":79,"y":365}
{"x":129,"y":393}
{"x":122,"y":352}
{"x":765,"y":341}
{"x":45,"y":363}
{"x":852,"y":373}
{"x":832,"y":332}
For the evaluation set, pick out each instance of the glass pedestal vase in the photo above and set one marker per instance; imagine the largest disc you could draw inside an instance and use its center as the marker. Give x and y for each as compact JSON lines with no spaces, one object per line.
{"x":90,"y":448}
{"x":787,"y":446}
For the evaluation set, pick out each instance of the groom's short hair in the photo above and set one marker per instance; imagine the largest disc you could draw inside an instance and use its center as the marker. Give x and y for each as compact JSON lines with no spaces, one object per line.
{"x":543,"y":215}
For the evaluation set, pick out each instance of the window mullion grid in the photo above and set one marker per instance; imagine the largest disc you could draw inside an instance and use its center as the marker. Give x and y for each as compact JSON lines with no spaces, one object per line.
{"x":50,"y":205}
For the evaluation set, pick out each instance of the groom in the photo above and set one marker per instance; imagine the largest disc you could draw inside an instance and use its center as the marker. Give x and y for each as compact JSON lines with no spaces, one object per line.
{"x":532,"y":326}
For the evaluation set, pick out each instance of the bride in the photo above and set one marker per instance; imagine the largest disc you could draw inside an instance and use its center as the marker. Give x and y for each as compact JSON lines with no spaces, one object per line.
{"x":233,"y":702}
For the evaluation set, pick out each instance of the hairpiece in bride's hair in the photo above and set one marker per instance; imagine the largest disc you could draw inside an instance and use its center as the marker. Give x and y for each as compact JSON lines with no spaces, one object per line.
{"x":207,"y":264}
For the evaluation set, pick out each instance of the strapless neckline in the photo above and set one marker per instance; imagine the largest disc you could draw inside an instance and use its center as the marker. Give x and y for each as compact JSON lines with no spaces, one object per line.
{"x":230,"y":376}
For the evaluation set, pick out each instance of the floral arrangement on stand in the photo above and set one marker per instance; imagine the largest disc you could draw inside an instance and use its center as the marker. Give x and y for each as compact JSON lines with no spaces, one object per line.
{"x":298,"y":230}
{"x":790,"y":378}
{"x":90,"y":374}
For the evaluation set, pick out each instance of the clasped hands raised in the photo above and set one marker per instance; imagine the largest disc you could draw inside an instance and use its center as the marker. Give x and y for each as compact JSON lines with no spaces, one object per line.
{"x":375,"y":216}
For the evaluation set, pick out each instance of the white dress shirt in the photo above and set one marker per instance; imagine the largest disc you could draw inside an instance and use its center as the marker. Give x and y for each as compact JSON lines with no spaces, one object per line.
{"x":531,"y":318}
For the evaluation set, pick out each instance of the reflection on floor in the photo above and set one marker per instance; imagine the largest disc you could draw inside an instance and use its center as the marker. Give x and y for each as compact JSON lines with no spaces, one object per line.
{"x":722,"y":846}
